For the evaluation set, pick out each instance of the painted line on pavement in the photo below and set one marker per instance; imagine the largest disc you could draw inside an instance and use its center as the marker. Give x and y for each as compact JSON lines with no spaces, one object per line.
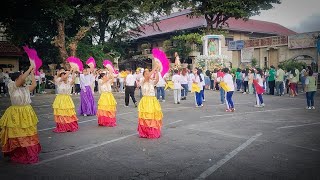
{"x":94,"y":146}
{"x":230,"y":114}
{"x":300,"y":125}
{"x":229,"y":156}
{"x":222,"y":133}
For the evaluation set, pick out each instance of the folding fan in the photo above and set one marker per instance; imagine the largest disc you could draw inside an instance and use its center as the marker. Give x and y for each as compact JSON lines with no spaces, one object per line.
{"x":161,"y":58}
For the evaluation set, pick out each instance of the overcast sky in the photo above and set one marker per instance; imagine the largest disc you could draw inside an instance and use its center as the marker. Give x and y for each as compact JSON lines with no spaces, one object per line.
{"x":298,"y":15}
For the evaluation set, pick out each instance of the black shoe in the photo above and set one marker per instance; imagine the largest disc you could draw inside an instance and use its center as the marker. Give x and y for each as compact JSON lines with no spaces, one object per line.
{"x":178,"y":102}
{"x":135,"y":104}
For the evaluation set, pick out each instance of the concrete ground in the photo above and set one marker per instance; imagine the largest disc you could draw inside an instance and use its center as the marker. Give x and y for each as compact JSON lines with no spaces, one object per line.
{"x":280,"y":141}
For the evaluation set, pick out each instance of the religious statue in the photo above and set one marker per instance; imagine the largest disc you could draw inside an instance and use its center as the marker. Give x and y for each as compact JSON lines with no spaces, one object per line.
{"x":212,"y":47}
{"x":177,"y":62}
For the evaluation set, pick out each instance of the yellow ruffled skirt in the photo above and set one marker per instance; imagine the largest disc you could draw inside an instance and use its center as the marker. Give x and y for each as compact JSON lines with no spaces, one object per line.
{"x":107,"y":107}
{"x":195,"y":88}
{"x":19,"y":138}
{"x":150,"y":117}
{"x":64,"y":114}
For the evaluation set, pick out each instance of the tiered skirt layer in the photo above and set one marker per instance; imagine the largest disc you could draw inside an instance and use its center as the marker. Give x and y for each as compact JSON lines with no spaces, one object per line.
{"x":150,"y":117}
{"x":64,"y":114}
{"x":19,"y":138}
{"x":106,"y":112}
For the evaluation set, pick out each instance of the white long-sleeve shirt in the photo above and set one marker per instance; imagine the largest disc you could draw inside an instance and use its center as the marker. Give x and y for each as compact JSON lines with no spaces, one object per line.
{"x":86,"y":80}
{"x":130,"y":79}
{"x":229,"y":81}
{"x":176,"y":79}
{"x":184,"y":79}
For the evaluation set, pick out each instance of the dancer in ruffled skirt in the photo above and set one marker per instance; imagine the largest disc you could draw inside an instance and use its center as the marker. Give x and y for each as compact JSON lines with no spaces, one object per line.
{"x":19,"y":137}
{"x":63,"y":106}
{"x":87,"y":103}
{"x":149,"y":109}
{"x":106,"y":112}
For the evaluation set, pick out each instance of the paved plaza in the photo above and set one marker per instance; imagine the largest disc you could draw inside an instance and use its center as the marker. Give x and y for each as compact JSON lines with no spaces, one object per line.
{"x":280,"y":141}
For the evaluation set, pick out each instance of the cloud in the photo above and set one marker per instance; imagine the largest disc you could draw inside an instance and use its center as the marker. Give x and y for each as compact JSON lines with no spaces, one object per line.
{"x":309,"y":24}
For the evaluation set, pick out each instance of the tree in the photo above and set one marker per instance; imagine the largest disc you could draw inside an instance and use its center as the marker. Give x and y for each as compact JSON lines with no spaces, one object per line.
{"x":217,"y":12}
{"x":115,"y":18}
{"x":62,"y":12}
{"x":64,"y":23}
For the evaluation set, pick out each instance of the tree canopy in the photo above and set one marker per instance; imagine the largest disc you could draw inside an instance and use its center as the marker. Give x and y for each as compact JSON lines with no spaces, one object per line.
{"x":217,"y":12}
{"x":57,"y":28}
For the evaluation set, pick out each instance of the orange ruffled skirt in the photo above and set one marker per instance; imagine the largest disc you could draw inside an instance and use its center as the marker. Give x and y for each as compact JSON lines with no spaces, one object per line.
{"x":64,"y":114}
{"x":19,"y":138}
{"x":107,"y":110}
{"x":150,"y":117}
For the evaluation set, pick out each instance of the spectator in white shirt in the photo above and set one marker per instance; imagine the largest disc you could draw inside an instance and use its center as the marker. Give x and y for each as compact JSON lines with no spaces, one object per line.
{"x":176,"y":79}
{"x":121,"y":82}
{"x":203,"y":84}
{"x":229,"y":82}
{"x":160,"y":87}
{"x":184,"y":84}
{"x":130,"y":82}
{"x":2,"y":82}
{"x":138,"y":77}
{"x":43,"y":81}
{"x":38,"y":81}
{"x":77,"y":83}
{"x":191,"y":77}
{"x":198,"y":80}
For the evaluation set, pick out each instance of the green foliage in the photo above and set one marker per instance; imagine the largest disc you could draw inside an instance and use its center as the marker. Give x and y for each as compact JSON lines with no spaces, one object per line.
{"x":292,"y":64}
{"x":183,"y":44}
{"x":233,"y":70}
{"x":254,"y":62}
{"x":194,"y":38}
{"x":96,"y":51}
{"x":217,"y":12}
{"x":167,"y":44}
{"x":146,"y":46}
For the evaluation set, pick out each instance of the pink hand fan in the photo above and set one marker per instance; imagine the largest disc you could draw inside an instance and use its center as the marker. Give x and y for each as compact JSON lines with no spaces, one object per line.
{"x":162,"y":59}
{"x":91,"y":63}
{"x":34,"y":59}
{"x":108,"y":64}
{"x":75,"y":63}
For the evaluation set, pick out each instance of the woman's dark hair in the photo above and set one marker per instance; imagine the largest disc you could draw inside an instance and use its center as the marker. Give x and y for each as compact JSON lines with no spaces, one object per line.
{"x":176,"y":71}
{"x":207,"y":73}
{"x":226,"y":70}
{"x":14,"y":75}
{"x":246,"y":72}
{"x":293,"y":71}
{"x":303,"y":66}
{"x":199,"y":72}
{"x":309,"y":68}
{"x":215,"y":70}
{"x":86,"y":66}
{"x":238,"y":70}
{"x":310,"y":72}
{"x":260,"y":72}
{"x":62,"y":73}
{"x":101,"y":75}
